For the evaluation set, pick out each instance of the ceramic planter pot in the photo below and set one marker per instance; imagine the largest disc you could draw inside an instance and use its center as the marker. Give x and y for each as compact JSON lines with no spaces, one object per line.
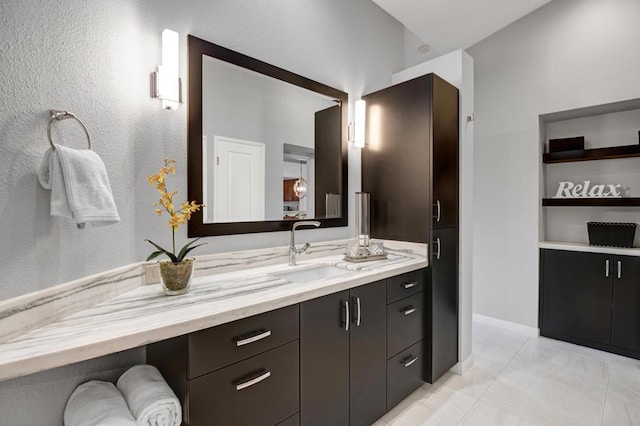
{"x":176,"y":278}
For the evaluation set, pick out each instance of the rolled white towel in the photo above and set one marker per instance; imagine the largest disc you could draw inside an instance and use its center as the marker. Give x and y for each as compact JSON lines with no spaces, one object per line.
{"x":97,"y":403}
{"x":150,"y":399}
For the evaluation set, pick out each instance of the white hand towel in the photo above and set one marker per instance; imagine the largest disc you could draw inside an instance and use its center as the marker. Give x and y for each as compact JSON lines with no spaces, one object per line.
{"x":97,"y":403}
{"x":79,"y":186}
{"x":150,"y":399}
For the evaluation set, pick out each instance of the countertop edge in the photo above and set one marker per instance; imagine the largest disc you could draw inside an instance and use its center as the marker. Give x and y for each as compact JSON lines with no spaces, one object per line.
{"x":581,"y":247}
{"x":57,"y":358}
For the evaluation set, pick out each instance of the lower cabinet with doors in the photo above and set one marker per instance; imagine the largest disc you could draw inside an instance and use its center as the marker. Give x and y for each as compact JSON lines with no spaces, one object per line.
{"x":592,"y":299}
{"x":342,"y":359}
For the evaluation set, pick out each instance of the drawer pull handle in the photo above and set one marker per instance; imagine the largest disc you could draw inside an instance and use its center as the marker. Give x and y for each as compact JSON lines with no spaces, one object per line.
{"x":410,"y":284}
{"x":409,"y":310}
{"x":261,"y":335}
{"x":253,"y":381}
{"x":439,"y":210}
{"x":411,"y":360}
{"x":359,"y":314}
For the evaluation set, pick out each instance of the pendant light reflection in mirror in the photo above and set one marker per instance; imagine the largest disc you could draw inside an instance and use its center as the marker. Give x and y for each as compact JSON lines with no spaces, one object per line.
{"x":300,"y":185}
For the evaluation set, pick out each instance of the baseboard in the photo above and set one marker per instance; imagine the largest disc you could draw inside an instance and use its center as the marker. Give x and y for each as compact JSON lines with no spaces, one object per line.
{"x":462,"y":367}
{"x":507,"y":325}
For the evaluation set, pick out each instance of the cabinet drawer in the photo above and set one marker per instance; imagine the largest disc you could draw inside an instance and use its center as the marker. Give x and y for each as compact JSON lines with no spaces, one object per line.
{"x":405,"y":326}
{"x":405,"y":285}
{"x":226,"y":344}
{"x":404,"y":374}
{"x":262,"y":390}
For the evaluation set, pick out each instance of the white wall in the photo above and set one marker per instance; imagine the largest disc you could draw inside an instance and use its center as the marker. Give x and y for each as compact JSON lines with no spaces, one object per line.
{"x":94,"y":58}
{"x":457,"y":68}
{"x":565,"y":55}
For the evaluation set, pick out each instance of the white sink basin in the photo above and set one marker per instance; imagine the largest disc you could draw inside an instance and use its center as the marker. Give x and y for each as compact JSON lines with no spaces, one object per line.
{"x":312,"y":273}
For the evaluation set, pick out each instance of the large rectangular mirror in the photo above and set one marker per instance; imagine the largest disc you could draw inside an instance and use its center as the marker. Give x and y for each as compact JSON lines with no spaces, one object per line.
{"x":266,"y":147}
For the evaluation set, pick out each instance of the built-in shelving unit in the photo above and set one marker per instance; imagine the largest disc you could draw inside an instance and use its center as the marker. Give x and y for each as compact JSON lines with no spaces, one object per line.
{"x":592,"y":154}
{"x":592,"y":202}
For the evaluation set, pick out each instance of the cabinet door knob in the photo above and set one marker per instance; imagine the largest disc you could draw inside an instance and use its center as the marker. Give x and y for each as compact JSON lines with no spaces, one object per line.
{"x":254,"y":380}
{"x":409,"y":284}
{"x":410,"y":360}
{"x":262,"y":334}
{"x":409,"y":310}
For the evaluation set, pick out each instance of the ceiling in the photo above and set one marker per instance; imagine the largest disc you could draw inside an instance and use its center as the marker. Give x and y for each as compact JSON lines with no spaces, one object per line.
{"x":448,"y":25}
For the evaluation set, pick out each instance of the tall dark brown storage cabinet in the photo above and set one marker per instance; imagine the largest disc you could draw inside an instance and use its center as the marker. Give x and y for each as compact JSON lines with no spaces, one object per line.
{"x":410,"y":167}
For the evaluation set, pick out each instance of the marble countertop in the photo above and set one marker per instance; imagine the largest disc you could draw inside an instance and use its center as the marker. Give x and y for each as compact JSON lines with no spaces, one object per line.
{"x":588,"y":248}
{"x":145,"y":315}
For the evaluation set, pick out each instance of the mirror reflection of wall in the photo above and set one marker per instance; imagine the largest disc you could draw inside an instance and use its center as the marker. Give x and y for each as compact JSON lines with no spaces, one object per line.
{"x":249,"y":120}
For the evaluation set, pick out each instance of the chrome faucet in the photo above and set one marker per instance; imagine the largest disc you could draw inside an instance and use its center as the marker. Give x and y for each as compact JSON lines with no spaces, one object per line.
{"x":293,"y":251}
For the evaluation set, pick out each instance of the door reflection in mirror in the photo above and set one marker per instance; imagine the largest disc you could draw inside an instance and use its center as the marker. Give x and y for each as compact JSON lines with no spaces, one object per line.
{"x":257,"y":132}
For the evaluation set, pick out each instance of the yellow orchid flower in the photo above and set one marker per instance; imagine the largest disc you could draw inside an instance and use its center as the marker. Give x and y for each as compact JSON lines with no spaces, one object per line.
{"x":177,"y":217}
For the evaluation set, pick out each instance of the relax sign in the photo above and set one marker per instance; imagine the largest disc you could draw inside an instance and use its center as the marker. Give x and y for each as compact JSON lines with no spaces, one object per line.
{"x":586,"y":190}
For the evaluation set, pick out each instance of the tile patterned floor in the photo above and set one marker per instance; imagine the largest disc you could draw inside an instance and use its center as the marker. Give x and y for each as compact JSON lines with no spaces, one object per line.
{"x":518,"y":380}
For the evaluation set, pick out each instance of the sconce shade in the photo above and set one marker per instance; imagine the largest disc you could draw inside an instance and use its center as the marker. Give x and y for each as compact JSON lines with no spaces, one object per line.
{"x":360,"y":112}
{"x":166,"y":81}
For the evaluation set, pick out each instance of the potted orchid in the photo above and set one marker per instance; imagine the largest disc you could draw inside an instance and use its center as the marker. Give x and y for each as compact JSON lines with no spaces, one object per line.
{"x":176,"y":272}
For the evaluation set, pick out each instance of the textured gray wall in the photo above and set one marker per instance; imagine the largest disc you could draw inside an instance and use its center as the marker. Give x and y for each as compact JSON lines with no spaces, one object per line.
{"x":94,"y":58}
{"x":566,"y":55}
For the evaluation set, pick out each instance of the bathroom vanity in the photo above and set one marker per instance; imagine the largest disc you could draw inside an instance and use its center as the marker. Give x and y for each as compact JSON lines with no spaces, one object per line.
{"x":347,"y":345}
{"x":344,"y":358}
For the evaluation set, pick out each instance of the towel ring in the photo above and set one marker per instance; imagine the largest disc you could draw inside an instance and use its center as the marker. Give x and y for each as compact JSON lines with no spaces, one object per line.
{"x":63,"y":115}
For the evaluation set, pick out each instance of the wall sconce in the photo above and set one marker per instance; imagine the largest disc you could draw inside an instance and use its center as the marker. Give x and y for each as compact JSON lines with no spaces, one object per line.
{"x":166,"y":83}
{"x":358,"y":136}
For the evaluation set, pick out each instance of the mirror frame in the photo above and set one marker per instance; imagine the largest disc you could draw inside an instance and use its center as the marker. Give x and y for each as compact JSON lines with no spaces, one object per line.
{"x":196,"y":226}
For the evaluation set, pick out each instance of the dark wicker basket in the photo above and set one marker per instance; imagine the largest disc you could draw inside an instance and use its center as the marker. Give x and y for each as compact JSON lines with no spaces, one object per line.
{"x":611,"y":234}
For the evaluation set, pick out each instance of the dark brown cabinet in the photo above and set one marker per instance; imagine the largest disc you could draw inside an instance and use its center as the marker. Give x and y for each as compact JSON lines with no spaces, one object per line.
{"x":625,"y":330}
{"x":591,"y":299}
{"x":219,"y":372}
{"x":404,"y":374}
{"x":406,"y":322}
{"x":442,"y":315}
{"x":411,"y":168}
{"x":343,"y":357}
{"x":262,"y":390}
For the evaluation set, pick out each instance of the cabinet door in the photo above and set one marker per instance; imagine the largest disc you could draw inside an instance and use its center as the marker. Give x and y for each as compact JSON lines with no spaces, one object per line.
{"x":324,"y":360}
{"x":442,"y":304}
{"x":396,"y":170}
{"x":368,"y":358}
{"x":576,"y":299}
{"x":625,"y":329}
{"x":444,"y":113}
